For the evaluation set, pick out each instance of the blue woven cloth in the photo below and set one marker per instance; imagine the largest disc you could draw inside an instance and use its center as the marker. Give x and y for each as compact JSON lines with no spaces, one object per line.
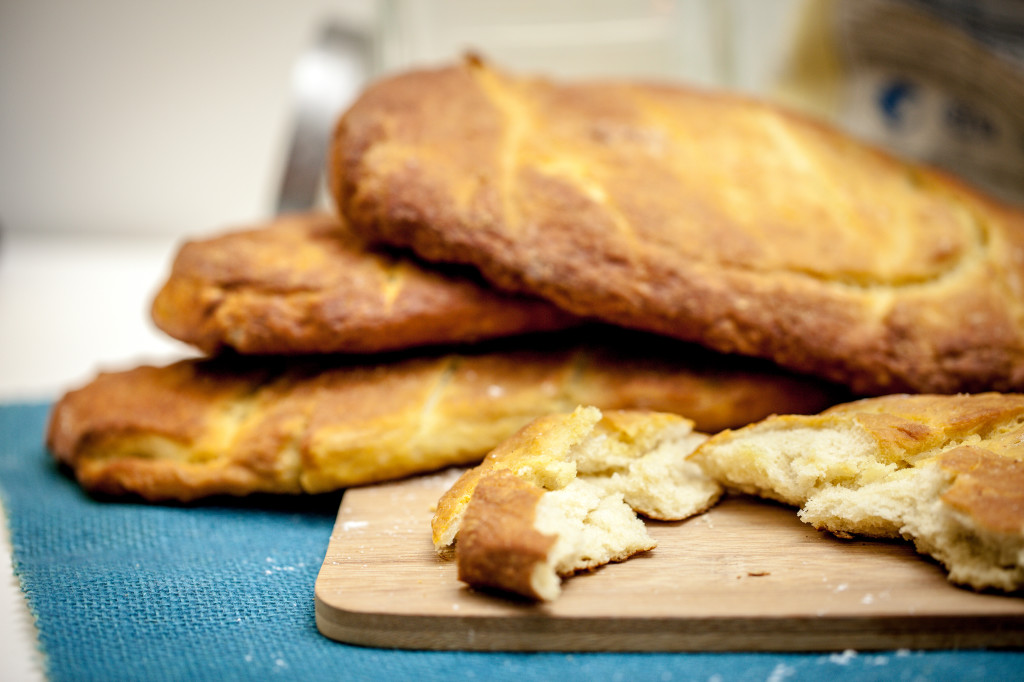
{"x":224,"y":591}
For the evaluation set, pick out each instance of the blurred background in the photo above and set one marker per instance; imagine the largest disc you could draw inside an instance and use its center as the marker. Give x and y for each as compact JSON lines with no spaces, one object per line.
{"x":121,"y":116}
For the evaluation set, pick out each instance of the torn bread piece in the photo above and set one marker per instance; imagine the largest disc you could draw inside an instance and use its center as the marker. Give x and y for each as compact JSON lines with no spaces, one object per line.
{"x":944,"y":471}
{"x":562,"y":496}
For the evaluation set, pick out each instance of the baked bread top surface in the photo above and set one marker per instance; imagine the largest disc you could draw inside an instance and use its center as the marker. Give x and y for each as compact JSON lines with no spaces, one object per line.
{"x":908,"y":430}
{"x":708,"y":217}
{"x":304,"y":283}
{"x":910,"y":425}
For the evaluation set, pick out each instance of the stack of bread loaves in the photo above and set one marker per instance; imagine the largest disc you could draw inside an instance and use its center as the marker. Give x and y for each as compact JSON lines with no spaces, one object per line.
{"x":587,"y":281}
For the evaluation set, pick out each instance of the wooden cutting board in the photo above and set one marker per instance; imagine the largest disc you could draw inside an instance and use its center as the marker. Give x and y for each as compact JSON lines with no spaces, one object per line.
{"x":745,"y":576}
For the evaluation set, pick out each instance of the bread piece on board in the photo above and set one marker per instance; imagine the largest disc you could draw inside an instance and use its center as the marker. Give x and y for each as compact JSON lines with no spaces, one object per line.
{"x":946,"y":472}
{"x":708,"y":217}
{"x":239,"y":425}
{"x":562,"y":496}
{"x":304,"y":283}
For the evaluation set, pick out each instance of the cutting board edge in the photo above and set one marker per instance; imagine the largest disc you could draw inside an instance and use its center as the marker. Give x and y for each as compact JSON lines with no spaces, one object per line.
{"x":542,"y":632}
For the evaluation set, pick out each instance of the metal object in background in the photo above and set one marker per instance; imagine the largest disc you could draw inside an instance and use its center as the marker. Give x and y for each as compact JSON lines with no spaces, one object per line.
{"x":326,"y":79}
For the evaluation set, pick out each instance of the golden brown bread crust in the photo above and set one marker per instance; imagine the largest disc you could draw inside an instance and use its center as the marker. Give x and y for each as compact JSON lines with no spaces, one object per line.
{"x":987,"y":487}
{"x":533,"y":448}
{"x":305,"y":284}
{"x":498,"y":544}
{"x":906,"y":425}
{"x":707,"y":217}
{"x":239,"y":425}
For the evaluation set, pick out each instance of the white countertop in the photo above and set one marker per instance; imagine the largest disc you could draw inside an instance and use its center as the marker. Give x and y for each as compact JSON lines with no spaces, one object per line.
{"x":69,"y":306}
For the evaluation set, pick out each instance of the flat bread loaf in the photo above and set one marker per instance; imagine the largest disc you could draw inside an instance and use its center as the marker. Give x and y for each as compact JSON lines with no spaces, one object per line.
{"x":304,"y":283}
{"x":708,"y":217}
{"x":946,"y":472}
{"x":562,"y":496}
{"x":240,"y":424}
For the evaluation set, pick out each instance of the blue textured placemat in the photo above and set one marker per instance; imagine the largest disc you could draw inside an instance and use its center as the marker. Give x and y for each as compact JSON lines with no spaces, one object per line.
{"x":124,"y":591}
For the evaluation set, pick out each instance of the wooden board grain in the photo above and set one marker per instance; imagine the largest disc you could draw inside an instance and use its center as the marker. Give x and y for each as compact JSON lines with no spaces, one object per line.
{"x":745,"y":576}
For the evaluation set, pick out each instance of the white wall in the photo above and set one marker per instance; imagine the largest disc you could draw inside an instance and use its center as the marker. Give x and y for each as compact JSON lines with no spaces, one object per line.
{"x":128,"y":115}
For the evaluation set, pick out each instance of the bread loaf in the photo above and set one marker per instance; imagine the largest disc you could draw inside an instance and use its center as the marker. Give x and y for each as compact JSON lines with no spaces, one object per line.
{"x":709,"y":217}
{"x":305,"y":284}
{"x":241,"y":424}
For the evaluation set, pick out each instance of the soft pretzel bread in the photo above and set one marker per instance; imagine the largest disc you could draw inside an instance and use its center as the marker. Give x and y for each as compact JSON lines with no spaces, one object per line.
{"x":708,"y":217}
{"x":238,"y":424}
{"x":562,"y":496}
{"x":946,"y":472}
{"x":304,"y":283}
